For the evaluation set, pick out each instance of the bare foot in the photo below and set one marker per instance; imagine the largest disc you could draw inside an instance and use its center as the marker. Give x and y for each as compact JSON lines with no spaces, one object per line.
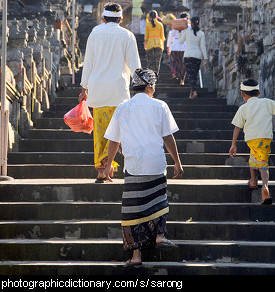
{"x":136,"y":259}
{"x":162,"y":239}
{"x":194,"y":94}
{"x":101,"y":174}
{"x":266,"y":199}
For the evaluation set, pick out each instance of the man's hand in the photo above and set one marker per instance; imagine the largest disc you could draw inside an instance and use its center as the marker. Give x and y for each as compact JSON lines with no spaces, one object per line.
{"x":83,"y":95}
{"x":112,"y":150}
{"x":178,"y":170}
{"x":171,"y":146}
{"x":233,"y":151}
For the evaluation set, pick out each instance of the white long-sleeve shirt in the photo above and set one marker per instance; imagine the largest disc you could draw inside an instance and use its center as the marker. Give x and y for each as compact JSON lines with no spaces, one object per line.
{"x":195,"y":45}
{"x":111,"y":57}
{"x":173,"y":41}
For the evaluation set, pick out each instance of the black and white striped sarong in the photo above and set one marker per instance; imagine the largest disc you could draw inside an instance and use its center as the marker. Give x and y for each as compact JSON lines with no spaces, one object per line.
{"x":144,"y":198}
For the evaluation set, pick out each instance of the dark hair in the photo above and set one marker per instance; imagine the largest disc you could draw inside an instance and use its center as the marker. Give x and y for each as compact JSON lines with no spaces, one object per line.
{"x":184,"y":15}
{"x":195,"y":21}
{"x":251,"y":82}
{"x":111,"y":6}
{"x":153,"y":14}
{"x":140,"y":88}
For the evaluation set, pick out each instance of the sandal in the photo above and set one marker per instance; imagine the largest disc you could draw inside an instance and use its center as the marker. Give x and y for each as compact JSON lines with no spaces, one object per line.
{"x":100,"y":180}
{"x":166,"y":245}
{"x":266,"y":199}
{"x":129,"y":263}
{"x":103,"y":179}
{"x":252,"y":187}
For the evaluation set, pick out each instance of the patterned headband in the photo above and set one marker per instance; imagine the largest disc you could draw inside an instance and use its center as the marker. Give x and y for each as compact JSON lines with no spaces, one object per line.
{"x":144,"y":77}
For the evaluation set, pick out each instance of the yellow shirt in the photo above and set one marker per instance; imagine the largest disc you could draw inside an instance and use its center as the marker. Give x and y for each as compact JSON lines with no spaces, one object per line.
{"x":154,"y":35}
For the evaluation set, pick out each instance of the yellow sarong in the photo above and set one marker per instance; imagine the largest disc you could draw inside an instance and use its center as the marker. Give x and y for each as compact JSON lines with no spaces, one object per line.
{"x":102,"y":117}
{"x":259,"y":153}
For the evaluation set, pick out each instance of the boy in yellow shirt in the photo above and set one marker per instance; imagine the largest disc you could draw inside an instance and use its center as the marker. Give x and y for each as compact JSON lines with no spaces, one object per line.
{"x":255,"y":117}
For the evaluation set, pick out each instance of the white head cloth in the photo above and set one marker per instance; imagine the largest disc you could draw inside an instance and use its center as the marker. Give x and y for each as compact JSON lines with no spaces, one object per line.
{"x":108,"y":13}
{"x":249,"y":88}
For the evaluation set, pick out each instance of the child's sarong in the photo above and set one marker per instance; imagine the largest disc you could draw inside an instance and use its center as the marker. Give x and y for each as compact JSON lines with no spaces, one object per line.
{"x":259,"y":153}
{"x":102,"y":117}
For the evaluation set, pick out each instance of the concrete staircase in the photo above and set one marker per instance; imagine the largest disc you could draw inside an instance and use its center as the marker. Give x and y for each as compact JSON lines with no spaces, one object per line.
{"x":55,"y":220}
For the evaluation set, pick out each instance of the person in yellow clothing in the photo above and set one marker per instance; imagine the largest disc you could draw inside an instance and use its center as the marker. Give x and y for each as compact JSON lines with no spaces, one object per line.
{"x":136,"y":16}
{"x":111,"y":58}
{"x":255,"y":117}
{"x":154,"y":41}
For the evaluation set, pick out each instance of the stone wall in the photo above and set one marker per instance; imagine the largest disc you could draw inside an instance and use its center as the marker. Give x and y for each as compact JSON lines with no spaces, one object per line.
{"x":38,"y":63}
{"x":240,"y":38}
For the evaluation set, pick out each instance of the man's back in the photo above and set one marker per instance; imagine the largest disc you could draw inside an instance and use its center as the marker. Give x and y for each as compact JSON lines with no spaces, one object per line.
{"x":111,"y":57}
{"x":140,"y":124}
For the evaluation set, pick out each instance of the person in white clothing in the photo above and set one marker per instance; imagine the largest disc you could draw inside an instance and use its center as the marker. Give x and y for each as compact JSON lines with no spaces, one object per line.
{"x":175,"y":51}
{"x":144,"y":125}
{"x":136,"y":16}
{"x":195,"y":51}
{"x":255,"y":117}
{"x":111,"y":57}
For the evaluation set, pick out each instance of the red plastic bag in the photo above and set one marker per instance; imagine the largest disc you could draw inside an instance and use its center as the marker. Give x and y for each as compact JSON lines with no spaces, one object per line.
{"x":80,"y":119}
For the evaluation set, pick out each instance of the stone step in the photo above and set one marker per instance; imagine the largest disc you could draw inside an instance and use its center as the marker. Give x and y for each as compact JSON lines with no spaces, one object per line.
{"x":186,"y":107}
{"x":183,"y":121}
{"x":179,"y":98}
{"x":88,"y":158}
{"x":148,"y":269}
{"x":171,"y":98}
{"x":57,"y":117}
{"x":60,"y":190}
{"x":110,"y":250}
{"x":181,"y":134}
{"x":183,"y":124}
{"x":25,"y":171}
{"x":111,"y":229}
{"x":84,"y":145}
{"x":173,"y":82}
{"x":165,"y":80}
{"x":162,"y":87}
{"x":112,"y":211}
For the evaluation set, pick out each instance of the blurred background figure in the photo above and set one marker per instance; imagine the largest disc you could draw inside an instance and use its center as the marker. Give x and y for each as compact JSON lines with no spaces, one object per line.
{"x":195,"y":51}
{"x":136,"y":16}
{"x":175,"y":51}
{"x":154,"y":41}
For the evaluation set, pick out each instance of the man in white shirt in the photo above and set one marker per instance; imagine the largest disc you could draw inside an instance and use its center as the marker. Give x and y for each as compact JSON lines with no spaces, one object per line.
{"x":111,"y":57}
{"x":143,"y":125}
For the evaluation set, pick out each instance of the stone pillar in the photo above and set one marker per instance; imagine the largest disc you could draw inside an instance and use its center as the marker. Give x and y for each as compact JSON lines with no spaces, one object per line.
{"x":15,"y":61}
